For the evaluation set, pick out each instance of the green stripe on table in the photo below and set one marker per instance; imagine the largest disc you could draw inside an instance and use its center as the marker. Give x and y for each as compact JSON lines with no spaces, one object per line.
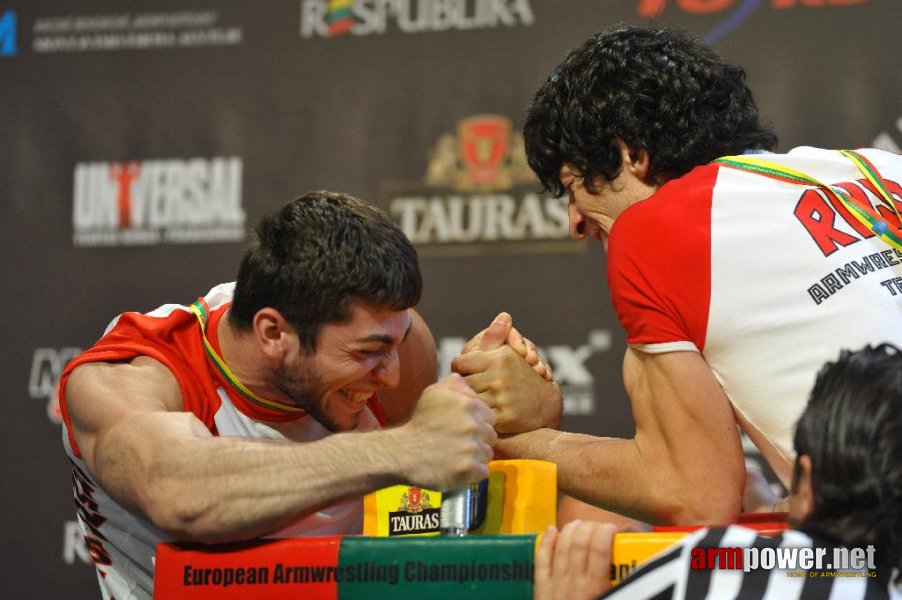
{"x":477,"y":566}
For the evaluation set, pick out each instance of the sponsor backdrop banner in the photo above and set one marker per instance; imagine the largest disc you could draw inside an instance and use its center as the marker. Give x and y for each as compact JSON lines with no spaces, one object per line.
{"x":141,"y":140}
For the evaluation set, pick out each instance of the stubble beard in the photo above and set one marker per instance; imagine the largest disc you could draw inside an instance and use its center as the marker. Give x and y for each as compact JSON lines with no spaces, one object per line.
{"x":306,"y":389}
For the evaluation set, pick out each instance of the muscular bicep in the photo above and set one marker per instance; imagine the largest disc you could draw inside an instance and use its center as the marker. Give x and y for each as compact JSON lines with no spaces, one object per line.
{"x":684,"y":421}
{"x":122,"y":415}
{"x":419,"y":369}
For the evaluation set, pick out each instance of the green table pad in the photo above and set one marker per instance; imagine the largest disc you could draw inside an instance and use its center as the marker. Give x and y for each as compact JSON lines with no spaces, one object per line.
{"x":485,"y":566}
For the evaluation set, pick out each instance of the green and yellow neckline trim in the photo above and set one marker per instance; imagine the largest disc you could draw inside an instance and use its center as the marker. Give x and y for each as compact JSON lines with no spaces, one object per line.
{"x":202,"y":312}
{"x":887,"y":229}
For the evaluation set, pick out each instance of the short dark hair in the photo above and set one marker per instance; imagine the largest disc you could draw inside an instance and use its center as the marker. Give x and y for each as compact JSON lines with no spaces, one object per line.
{"x":313,"y":257}
{"x":852,"y":430}
{"x":661,"y":90}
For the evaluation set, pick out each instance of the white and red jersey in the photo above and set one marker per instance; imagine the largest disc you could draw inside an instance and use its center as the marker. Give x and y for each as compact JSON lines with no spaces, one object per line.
{"x":767,"y":279}
{"x":122,"y":544}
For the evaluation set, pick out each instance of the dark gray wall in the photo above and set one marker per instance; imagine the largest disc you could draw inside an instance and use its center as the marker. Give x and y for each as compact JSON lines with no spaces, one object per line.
{"x":246,"y":105}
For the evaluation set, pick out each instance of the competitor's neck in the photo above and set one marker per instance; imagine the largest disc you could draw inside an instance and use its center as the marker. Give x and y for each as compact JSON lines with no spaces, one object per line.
{"x":239,"y":351}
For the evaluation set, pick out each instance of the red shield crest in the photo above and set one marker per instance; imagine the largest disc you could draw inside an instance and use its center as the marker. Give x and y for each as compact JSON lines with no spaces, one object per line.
{"x":413,"y":499}
{"x":484,"y":141}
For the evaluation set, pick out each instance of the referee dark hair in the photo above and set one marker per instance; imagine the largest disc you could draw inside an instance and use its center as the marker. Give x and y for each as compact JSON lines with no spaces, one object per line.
{"x":851,"y":432}
{"x":846,"y":494}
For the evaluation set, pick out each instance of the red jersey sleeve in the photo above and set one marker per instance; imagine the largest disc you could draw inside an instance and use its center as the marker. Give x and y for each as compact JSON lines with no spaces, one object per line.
{"x":168,"y":339}
{"x":659,"y":265}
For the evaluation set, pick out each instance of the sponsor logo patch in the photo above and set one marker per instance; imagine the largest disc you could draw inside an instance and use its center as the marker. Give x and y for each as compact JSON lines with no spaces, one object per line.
{"x":197,"y":200}
{"x":479,"y":196}
{"x":332,"y":18}
{"x":47,"y":364}
{"x":415,"y":514}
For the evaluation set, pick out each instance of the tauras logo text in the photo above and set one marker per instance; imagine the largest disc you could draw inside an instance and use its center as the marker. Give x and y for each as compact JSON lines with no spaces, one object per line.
{"x":478,"y":194}
{"x":479,"y":218}
{"x":407,"y":523}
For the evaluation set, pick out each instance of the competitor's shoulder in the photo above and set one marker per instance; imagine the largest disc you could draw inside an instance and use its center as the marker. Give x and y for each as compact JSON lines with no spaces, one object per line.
{"x":169,"y":316}
{"x":98,"y":378}
{"x":95,"y":395}
{"x":166,"y":337}
{"x":420,"y":335}
{"x":679,"y":204}
{"x":836,"y":152}
{"x":220,"y":294}
{"x":659,"y":257}
{"x":824,"y":162}
{"x":419,"y":368}
{"x":887,"y":162}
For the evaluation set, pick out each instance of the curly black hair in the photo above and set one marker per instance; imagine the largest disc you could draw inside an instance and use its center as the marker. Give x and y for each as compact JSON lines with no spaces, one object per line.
{"x":852,"y":430}
{"x":659,"y":90}
{"x":314,"y":256}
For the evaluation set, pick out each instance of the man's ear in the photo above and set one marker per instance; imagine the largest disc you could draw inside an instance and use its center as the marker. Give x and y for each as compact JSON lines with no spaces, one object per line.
{"x":274,"y":336}
{"x":801,"y":501}
{"x":636,"y":163}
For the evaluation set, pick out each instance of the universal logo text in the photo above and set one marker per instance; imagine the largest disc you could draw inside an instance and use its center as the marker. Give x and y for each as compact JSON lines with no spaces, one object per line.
{"x":197,"y":200}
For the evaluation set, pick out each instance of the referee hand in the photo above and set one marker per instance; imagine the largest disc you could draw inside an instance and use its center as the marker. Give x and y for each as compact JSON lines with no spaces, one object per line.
{"x":575,"y":563}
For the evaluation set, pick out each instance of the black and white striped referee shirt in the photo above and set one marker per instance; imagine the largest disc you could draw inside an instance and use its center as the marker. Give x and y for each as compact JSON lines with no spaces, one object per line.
{"x":670,"y":575}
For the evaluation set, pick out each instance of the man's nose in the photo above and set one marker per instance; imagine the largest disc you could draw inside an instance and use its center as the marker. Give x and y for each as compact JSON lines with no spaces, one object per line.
{"x":577,"y":223}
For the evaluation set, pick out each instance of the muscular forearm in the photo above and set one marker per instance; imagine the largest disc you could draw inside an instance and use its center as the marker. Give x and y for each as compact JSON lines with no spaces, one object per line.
{"x":226,"y":489}
{"x":618,"y":475}
{"x":165,"y":464}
